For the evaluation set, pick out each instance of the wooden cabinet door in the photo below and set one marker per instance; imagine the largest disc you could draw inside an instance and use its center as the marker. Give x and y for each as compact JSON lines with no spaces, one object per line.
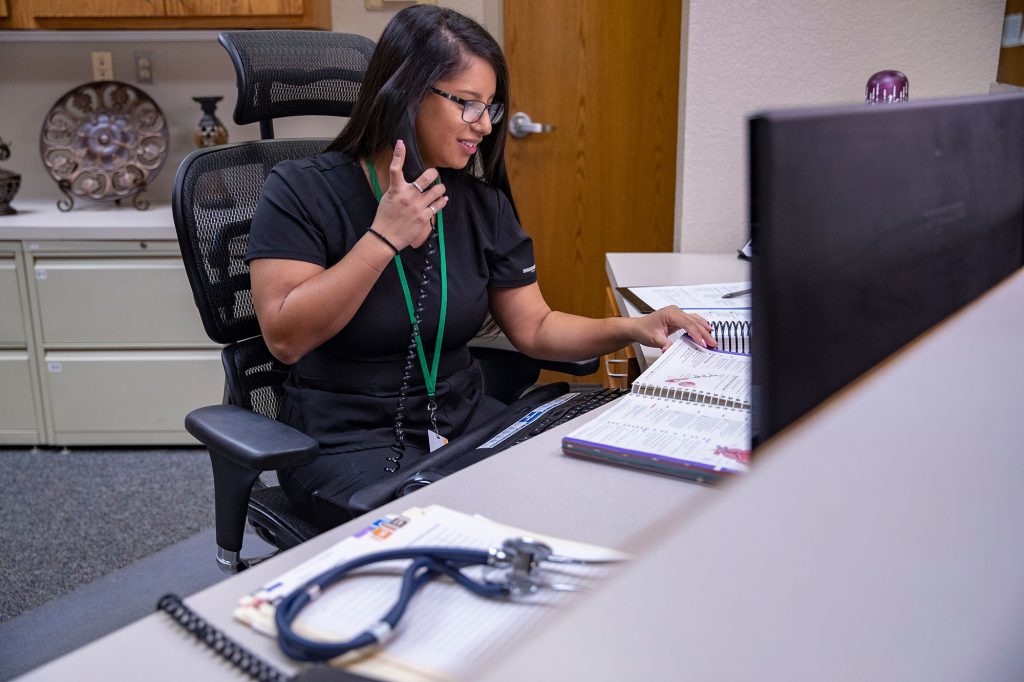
{"x":233,"y":8}
{"x":93,"y":8}
{"x":164,"y":14}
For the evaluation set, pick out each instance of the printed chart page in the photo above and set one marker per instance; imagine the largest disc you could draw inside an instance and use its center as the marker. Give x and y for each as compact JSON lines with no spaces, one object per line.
{"x":688,"y":371}
{"x":447,"y":631}
{"x":709,"y":435}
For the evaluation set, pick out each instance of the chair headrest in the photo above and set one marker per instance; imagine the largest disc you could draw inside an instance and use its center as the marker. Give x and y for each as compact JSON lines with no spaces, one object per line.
{"x":296,"y":73}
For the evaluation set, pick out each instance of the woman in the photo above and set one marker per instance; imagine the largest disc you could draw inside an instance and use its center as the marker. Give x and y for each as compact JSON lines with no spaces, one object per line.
{"x":344,"y":252}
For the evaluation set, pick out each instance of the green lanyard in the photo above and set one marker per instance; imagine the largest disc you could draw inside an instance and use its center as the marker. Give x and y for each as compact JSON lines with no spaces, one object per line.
{"x":429,"y":375}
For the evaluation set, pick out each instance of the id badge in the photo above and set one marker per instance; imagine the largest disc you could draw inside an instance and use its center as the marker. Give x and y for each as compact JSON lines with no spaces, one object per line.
{"x":435,"y":440}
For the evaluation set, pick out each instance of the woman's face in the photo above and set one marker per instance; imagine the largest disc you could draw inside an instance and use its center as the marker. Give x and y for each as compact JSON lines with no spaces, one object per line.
{"x":445,"y":140}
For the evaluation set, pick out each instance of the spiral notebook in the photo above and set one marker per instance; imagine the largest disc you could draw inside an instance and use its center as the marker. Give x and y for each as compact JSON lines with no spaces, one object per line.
{"x":687,"y":416}
{"x":729,"y":317}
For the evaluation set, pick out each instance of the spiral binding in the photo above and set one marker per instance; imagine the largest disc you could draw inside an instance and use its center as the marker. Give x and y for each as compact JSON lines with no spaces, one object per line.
{"x":398,"y":447}
{"x":237,"y":655}
{"x":689,"y":395}
{"x":731,"y":335}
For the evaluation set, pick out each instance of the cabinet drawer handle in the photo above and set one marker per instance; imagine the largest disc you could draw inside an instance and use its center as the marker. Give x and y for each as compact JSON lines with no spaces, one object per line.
{"x":608,"y":368}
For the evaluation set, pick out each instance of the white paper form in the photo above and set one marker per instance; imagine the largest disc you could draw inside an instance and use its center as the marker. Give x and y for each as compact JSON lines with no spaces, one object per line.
{"x":446,"y":631}
{"x":697,"y":297}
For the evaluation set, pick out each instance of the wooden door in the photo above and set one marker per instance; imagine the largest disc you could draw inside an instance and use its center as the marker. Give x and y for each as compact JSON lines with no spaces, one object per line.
{"x":1011,"y":58}
{"x":605,"y":73}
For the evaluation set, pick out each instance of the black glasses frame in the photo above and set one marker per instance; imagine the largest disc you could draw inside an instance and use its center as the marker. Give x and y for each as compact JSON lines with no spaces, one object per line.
{"x":473,"y":110}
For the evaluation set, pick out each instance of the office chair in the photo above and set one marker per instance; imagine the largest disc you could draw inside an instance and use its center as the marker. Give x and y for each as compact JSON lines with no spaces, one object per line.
{"x":216,"y":189}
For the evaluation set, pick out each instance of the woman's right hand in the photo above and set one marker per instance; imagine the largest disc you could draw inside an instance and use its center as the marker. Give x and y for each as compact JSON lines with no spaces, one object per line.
{"x":405,"y":213}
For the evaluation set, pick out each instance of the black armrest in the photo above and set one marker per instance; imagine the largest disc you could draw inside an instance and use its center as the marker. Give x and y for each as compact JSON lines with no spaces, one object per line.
{"x":507,"y":355}
{"x":578,"y":368}
{"x":250,"y":439}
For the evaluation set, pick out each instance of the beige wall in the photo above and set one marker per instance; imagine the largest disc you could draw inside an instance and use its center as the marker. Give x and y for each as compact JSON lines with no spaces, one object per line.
{"x":738,"y":57}
{"x":39,"y":67}
{"x":744,"y":56}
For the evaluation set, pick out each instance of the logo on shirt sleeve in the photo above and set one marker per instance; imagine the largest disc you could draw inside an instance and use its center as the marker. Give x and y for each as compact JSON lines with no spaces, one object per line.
{"x":532,"y":268}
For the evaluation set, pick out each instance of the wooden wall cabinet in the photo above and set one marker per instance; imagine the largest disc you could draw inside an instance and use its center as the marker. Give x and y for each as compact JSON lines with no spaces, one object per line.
{"x":164,"y":14}
{"x":100,"y":344}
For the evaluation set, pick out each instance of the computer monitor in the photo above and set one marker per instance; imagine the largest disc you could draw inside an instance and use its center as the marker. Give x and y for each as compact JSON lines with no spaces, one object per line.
{"x":869,"y":225}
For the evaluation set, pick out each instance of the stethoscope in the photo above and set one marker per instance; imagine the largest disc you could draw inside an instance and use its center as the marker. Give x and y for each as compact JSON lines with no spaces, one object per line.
{"x":513,"y":570}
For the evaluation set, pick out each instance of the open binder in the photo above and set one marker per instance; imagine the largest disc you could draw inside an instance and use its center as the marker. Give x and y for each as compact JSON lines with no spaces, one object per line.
{"x":687,"y":416}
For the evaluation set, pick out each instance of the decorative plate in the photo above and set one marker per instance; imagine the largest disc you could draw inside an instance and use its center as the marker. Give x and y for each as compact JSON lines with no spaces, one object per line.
{"x":104,"y":141}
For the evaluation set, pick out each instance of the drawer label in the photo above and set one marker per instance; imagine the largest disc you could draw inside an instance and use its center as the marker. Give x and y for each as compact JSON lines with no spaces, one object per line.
{"x":40,"y":273}
{"x":54,"y":367}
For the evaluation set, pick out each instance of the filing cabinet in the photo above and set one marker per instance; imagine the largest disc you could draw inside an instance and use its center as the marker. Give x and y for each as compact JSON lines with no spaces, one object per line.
{"x":109,"y":344}
{"x":20,"y":408}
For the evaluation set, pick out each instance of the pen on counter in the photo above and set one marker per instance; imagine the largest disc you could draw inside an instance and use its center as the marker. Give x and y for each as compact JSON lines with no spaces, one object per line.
{"x":734,"y":294}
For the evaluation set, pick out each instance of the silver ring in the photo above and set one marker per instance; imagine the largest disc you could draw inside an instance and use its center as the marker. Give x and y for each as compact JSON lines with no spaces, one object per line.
{"x":418,"y":187}
{"x":432,"y":210}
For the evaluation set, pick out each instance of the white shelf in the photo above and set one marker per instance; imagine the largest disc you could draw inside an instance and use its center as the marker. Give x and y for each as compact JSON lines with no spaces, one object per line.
{"x":88,"y":220}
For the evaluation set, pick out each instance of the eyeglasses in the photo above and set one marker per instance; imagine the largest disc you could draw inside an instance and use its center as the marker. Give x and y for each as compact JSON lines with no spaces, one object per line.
{"x":472,"y":109}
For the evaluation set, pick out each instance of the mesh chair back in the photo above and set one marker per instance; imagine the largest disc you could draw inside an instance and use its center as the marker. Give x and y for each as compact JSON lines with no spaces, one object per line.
{"x":296,"y":73}
{"x":254,"y":377}
{"x":215,"y":195}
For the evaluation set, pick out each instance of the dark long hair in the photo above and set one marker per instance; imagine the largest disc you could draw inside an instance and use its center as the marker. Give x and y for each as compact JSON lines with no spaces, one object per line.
{"x":420,"y":46}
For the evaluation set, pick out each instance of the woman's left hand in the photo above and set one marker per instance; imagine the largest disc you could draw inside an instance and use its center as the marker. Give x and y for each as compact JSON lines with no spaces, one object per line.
{"x":654,"y":329}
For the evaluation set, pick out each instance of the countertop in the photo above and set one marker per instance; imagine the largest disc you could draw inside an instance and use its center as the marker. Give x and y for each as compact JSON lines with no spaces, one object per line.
{"x":88,"y":220}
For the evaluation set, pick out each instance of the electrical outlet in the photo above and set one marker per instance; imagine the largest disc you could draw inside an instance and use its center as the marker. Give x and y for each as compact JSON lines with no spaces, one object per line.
{"x":143,"y":67}
{"x":102,"y":66}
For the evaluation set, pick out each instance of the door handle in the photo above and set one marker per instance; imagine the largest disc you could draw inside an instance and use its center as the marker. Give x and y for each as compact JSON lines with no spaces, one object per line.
{"x":520,"y":125}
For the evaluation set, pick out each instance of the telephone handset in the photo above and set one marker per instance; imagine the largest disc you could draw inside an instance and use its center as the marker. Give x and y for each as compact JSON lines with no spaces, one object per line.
{"x":413,"y":166}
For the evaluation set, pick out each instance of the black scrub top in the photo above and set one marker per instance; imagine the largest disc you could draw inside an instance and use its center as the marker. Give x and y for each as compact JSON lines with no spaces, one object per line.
{"x":345,"y":393}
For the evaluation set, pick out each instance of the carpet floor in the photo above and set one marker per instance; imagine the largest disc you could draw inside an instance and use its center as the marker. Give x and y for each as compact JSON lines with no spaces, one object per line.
{"x":71,"y":518}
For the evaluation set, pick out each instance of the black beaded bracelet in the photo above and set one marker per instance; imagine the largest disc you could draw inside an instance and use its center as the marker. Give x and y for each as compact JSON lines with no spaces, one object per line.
{"x":381,"y":237}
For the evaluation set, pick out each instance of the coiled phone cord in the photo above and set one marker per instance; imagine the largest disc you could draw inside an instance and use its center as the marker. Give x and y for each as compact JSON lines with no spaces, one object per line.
{"x":398,"y":447}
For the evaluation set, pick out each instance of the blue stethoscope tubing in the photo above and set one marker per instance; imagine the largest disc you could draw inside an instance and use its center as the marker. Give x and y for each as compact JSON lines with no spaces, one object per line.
{"x":427,"y":563}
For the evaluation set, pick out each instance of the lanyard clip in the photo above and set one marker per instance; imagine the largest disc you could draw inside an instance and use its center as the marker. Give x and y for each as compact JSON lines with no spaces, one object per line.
{"x":431,"y":411}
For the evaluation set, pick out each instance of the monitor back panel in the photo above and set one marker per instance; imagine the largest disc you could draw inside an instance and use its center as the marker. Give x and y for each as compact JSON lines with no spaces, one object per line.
{"x":870,"y":224}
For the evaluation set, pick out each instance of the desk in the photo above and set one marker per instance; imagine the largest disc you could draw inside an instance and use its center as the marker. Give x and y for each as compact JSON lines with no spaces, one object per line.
{"x":657,"y":269}
{"x":878,"y":538}
{"x":531,"y":486}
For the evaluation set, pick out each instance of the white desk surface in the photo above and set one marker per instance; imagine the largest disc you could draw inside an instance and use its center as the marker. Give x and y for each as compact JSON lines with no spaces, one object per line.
{"x":879,"y":538}
{"x":659,"y":269}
